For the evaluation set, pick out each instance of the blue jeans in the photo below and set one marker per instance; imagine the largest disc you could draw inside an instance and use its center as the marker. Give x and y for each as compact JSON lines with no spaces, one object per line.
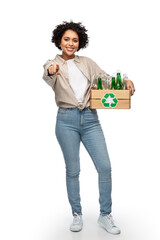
{"x":72,"y":127}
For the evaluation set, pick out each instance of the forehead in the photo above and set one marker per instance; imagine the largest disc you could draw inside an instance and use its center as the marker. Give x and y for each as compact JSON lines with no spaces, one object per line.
{"x":70,"y":33}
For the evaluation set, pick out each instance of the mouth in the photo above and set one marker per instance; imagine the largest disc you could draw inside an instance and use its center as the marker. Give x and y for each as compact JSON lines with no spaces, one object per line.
{"x":70,"y":49}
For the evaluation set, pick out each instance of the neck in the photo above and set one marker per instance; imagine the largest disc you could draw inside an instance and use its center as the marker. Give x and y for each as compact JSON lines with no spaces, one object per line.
{"x":66,"y":57}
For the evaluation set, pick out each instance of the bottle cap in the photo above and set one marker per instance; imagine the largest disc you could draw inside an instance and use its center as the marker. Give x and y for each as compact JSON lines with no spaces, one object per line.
{"x":125,"y":76}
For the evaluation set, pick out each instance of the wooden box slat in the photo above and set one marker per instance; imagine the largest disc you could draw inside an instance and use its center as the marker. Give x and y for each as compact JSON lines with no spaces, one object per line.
{"x":123,"y":96}
{"x":120,"y":94}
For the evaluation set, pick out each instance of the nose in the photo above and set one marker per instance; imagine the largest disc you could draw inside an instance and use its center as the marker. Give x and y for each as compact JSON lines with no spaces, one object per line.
{"x":70,"y":43}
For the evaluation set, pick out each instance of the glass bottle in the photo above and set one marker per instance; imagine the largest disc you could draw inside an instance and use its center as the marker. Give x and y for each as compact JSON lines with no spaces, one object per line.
{"x":95,"y":82}
{"x":106,"y":81}
{"x":109,"y":79}
{"x":99,"y":84}
{"x":125,"y":78}
{"x":118,"y":82}
{"x":113,"y":83}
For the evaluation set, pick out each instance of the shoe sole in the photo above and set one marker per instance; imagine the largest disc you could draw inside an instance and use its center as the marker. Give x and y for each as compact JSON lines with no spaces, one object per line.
{"x":102,"y":225}
{"x":74,"y":230}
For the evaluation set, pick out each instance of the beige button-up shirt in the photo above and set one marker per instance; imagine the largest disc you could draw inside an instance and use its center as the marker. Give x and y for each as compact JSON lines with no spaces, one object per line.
{"x":64,"y":94}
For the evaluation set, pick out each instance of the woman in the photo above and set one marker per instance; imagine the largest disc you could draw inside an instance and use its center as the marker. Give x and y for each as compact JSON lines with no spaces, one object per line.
{"x":71,"y":77}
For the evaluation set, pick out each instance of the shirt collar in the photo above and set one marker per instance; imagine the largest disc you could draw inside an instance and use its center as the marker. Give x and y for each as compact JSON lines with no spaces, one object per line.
{"x":61,"y":60}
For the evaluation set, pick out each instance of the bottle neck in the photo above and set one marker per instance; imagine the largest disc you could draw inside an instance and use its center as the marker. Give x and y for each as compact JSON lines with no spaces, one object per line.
{"x":118,"y":78}
{"x":99,"y":83}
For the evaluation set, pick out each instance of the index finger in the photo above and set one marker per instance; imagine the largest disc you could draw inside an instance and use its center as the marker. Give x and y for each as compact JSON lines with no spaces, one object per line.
{"x":57,"y":67}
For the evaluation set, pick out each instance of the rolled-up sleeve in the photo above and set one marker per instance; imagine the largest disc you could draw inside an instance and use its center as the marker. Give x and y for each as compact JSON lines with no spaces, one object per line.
{"x":94,"y":68}
{"x":49,"y":79}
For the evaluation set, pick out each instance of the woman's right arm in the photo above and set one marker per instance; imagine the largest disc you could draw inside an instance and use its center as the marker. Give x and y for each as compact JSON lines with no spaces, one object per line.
{"x":51,"y":70}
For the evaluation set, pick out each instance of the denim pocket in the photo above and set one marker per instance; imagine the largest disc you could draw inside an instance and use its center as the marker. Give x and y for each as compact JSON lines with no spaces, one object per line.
{"x":63,"y":110}
{"x":91,"y":115}
{"x":92,"y":110}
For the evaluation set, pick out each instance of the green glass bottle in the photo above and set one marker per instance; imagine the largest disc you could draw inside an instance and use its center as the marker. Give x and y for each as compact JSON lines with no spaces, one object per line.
{"x":99,"y":84}
{"x":113,"y":83}
{"x":118,"y":83}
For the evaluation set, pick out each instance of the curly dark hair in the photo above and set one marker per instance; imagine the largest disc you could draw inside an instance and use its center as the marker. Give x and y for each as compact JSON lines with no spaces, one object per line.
{"x":77,"y":27}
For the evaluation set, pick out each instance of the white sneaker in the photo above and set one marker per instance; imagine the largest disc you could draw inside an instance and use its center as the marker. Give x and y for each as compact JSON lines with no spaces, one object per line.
{"x":77,"y":223}
{"x":108,"y":223}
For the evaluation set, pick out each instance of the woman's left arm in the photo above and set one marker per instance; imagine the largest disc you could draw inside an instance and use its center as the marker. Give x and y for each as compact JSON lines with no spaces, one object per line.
{"x":130,"y":86}
{"x":95,"y":69}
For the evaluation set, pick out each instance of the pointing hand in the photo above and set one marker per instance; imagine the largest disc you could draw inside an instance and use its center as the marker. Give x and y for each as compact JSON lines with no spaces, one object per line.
{"x":53,"y":69}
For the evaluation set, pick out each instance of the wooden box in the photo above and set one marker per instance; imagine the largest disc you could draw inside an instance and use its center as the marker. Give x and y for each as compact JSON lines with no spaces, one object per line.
{"x":110,"y":99}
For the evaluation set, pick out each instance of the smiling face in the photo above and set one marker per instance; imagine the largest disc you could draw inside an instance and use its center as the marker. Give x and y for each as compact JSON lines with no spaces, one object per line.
{"x":69,"y":44}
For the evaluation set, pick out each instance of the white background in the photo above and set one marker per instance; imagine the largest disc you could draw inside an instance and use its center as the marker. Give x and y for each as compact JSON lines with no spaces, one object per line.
{"x":33,"y":204}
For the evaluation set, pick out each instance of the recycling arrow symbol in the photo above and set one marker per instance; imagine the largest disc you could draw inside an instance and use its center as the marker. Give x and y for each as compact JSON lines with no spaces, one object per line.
{"x":109,"y":100}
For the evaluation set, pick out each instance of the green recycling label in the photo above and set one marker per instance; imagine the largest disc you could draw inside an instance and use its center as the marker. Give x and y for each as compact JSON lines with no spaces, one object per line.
{"x":109,"y":100}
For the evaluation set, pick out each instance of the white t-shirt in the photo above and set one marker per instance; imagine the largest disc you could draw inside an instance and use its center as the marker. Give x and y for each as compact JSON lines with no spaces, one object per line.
{"x":77,"y":80}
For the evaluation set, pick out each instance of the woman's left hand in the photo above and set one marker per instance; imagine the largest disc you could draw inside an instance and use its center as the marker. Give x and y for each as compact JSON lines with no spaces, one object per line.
{"x":130,"y":86}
